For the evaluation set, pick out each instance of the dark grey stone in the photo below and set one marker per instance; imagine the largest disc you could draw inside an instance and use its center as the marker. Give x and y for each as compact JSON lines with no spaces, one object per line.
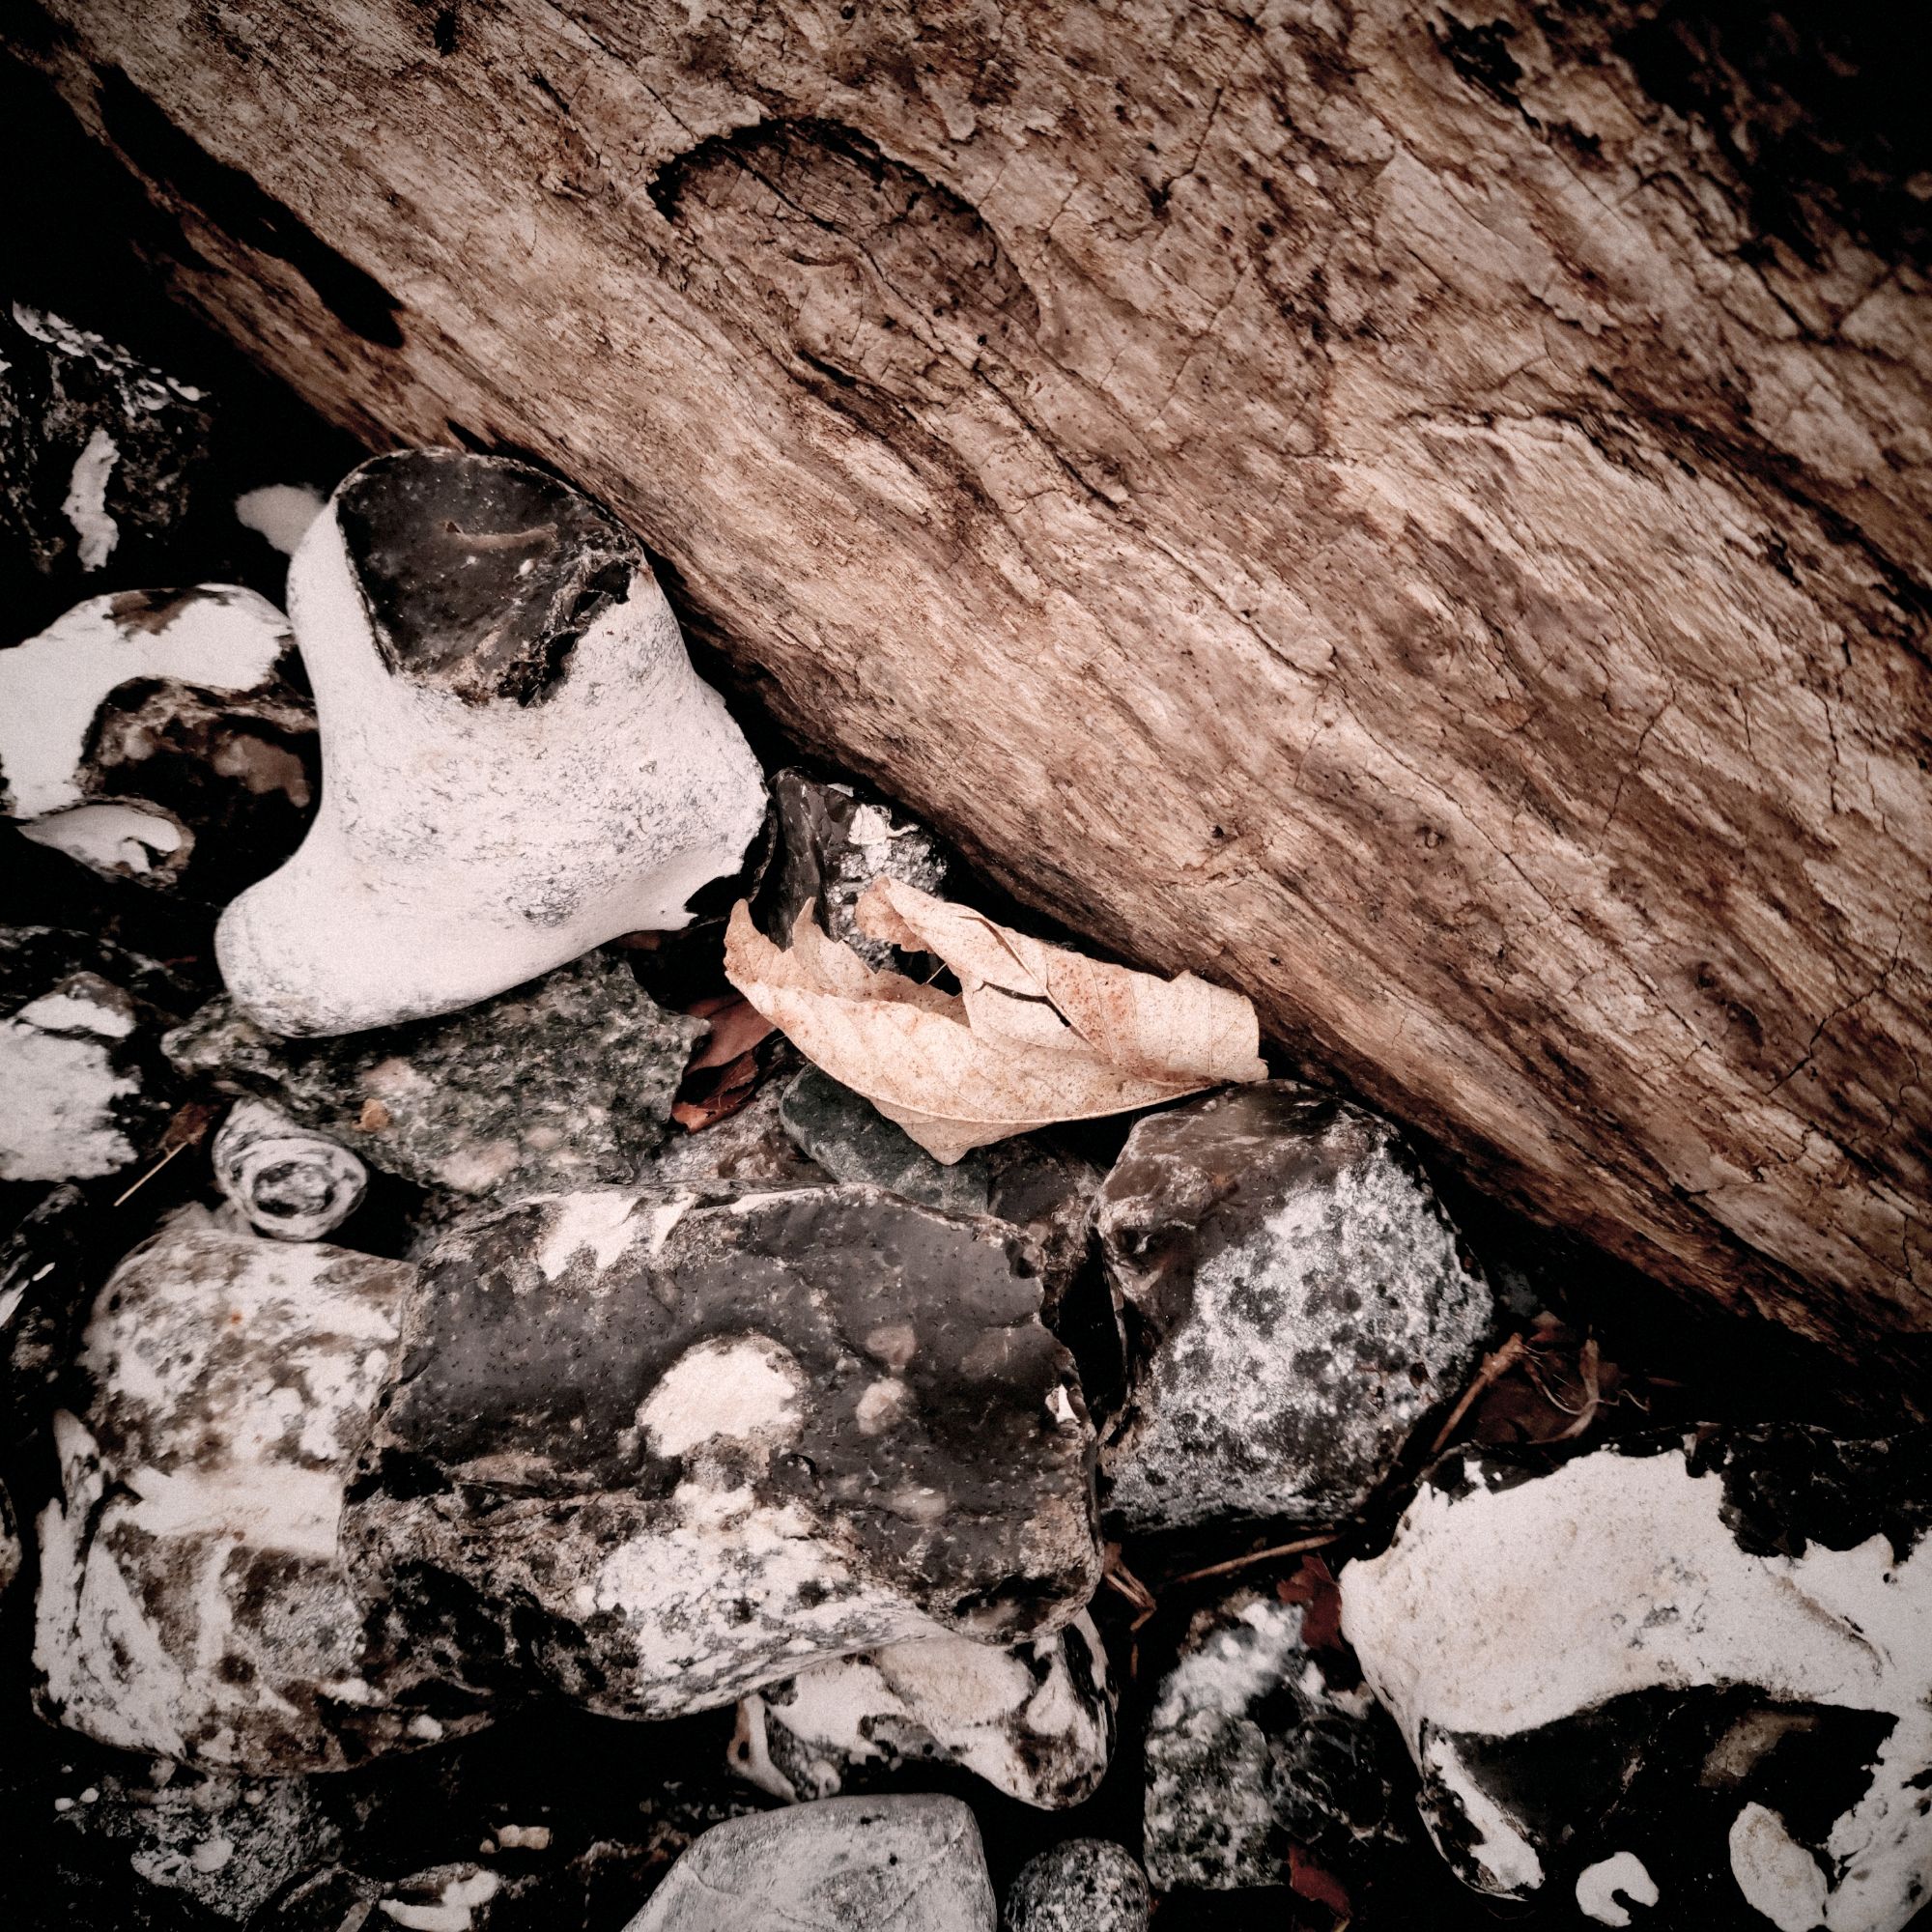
{"x":1256,"y":1743}
{"x":1297,"y":1300}
{"x":833,"y":841}
{"x":675,"y":1448}
{"x":64,"y":390}
{"x":1085,"y":1884}
{"x":847,"y":1865}
{"x":1038,"y":1187}
{"x":564,"y":1083}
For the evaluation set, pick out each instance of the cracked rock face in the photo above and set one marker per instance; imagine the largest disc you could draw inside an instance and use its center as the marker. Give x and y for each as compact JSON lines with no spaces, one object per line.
{"x":1085,"y":1884}
{"x":1258,"y":1743}
{"x":833,"y":841}
{"x":681,"y":1448}
{"x":1036,"y":1720}
{"x":1295,"y":1302}
{"x":522,"y":762}
{"x":195,"y":1599}
{"x":567,"y":1083}
{"x":1701,"y":1679}
{"x":290,"y":1182}
{"x":1027,"y":1181}
{"x":847,"y":1865}
{"x":156,"y":735}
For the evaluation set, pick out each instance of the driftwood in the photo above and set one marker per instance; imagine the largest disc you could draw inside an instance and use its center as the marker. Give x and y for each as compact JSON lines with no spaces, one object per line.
{"x":1416,"y":513}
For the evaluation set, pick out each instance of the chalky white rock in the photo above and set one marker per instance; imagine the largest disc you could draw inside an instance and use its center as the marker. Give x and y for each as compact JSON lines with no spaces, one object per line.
{"x":1036,"y":1722}
{"x":519,"y":762}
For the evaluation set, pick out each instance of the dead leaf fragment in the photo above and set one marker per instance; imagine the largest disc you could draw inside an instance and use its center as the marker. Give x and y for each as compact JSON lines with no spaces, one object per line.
{"x":1035,"y":1033}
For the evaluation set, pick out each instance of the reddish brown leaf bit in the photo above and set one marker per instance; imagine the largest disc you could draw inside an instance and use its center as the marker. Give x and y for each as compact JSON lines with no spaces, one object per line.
{"x":1308,"y":1880}
{"x":737,"y":1027}
{"x":1314,"y":1587}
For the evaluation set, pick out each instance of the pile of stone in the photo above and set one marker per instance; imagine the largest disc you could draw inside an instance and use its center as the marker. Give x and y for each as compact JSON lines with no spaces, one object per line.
{"x":382,"y":1371}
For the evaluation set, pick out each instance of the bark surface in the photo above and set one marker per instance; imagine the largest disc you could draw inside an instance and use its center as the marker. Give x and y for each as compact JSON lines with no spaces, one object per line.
{"x":1417,"y":513}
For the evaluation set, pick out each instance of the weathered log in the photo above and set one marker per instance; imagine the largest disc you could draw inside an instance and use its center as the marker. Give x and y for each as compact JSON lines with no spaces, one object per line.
{"x":1380,"y":505}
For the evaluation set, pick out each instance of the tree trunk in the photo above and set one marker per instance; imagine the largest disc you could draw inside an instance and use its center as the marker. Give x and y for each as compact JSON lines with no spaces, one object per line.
{"x":1419,"y":514}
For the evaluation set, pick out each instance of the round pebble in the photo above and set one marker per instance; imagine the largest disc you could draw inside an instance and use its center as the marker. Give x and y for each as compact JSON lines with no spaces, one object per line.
{"x":1086,"y":1884}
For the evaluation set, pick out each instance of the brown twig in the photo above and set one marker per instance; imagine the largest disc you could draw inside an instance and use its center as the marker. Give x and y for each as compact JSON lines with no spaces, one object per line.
{"x":1593,"y":1395}
{"x":1118,"y":1577}
{"x":134,"y":1187}
{"x":1235,"y":1563}
{"x":1494,"y":1367}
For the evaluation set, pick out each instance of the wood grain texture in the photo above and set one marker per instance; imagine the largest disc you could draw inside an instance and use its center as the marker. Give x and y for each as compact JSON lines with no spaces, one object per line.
{"x":1371,"y":503}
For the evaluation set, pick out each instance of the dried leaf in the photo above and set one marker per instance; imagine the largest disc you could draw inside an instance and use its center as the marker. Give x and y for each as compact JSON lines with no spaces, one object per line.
{"x":1314,"y":1881}
{"x":732,"y":1087}
{"x":1313,"y":1586}
{"x":1037,"y":1034}
{"x":737,"y":1027}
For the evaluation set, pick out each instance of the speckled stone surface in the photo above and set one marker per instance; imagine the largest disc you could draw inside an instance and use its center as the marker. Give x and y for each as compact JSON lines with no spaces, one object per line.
{"x":847,"y":1865}
{"x":1036,"y":1720}
{"x":1256,"y":1744}
{"x":833,"y":841}
{"x":564,"y":1083}
{"x":195,"y":1599}
{"x":1028,"y":1182}
{"x":680,"y":1448}
{"x":1700,"y":1680}
{"x":1084,"y":1885}
{"x":1296,"y":1301}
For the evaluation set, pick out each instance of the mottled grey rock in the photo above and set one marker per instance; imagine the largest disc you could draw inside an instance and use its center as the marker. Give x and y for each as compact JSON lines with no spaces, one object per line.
{"x":522,"y":762}
{"x":1688,"y":1671}
{"x":1084,"y":1885}
{"x":195,"y":1597}
{"x":10,"y":1544}
{"x":291,"y":1182}
{"x":43,"y":1264}
{"x":847,"y":1865}
{"x":97,"y":449}
{"x":678,"y":1448}
{"x":1296,"y":1301}
{"x":1256,"y":1744}
{"x":156,"y":735}
{"x":566,"y":1082}
{"x":750,"y":1148}
{"x":1036,"y":1720}
{"x":1027,"y":1181}
{"x":185,"y":1839}
{"x":833,"y":841}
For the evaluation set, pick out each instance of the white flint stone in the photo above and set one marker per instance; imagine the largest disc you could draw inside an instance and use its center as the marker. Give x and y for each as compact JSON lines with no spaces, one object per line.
{"x":62,"y":1085}
{"x":847,"y":1865}
{"x":1036,"y":1722}
{"x":290,"y":1181}
{"x":503,"y":792}
{"x":1624,"y":1574}
{"x":218,"y":638}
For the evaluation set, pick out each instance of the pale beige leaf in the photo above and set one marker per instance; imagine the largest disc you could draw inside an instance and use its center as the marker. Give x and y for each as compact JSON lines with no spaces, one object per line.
{"x":1037,"y":1035}
{"x":1025,"y":991}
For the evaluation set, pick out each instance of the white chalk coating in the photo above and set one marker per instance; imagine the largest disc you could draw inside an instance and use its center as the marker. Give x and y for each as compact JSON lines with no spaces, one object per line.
{"x":86,"y":503}
{"x":1597,"y":1886}
{"x":743,"y":1388}
{"x":109,"y":836}
{"x":461,"y":848}
{"x":57,"y":1097}
{"x":1617,"y":1574}
{"x":1777,"y":1875}
{"x":280,"y":512}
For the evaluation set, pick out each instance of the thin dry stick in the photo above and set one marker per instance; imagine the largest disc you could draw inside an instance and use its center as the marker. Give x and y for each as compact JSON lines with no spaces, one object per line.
{"x":1294,"y":1549}
{"x":1119,"y":1576}
{"x":134,"y":1186}
{"x":1593,"y":1394}
{"x":1494,"y":1367}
